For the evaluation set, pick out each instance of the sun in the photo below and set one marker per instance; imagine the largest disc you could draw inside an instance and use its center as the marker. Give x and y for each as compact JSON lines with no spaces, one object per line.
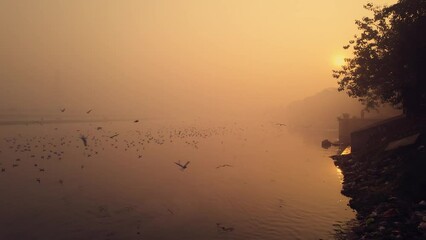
{"x":339,"y":60}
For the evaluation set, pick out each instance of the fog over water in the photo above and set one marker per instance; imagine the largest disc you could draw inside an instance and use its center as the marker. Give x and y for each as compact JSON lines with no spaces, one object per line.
{"x":167,"y":119}
{"x":256,"y":180}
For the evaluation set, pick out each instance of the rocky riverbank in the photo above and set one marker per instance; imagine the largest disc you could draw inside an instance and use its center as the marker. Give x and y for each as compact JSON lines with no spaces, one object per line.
{"x":388,"y":192}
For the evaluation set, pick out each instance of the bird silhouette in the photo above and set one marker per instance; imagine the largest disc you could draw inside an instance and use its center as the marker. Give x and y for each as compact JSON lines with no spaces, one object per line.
{"x":115,"y":135}
{"x":224,"y":165}
{"x":84,"y":139}
{"x":281,"y":124}
{"x":63,"y":110}
{"x":183,"y":167}
{"x":89,"y":111}
{"x":136,"y":121}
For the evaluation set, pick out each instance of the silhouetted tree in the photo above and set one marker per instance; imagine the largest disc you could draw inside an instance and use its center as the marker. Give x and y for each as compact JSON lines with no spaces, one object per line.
{"x":389,"y":58}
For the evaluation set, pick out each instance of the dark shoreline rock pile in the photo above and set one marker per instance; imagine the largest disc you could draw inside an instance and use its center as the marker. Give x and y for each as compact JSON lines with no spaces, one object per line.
{"x":387,"y":190}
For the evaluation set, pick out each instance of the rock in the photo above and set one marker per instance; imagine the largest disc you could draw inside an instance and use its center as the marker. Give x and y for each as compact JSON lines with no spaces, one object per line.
{"x":373,"y":214}
{"x":326,"y":144}
{"x":422,"y":226}
{"x":390,"y":213}
{"x":369,"y":221}
{"x":383,"y":187}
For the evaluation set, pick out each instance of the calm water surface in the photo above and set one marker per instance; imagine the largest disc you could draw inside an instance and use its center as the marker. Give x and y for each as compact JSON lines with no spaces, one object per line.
{"x":244,"y":181}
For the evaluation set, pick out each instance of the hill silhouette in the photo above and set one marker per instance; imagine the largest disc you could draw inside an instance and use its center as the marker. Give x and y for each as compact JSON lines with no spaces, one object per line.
{"x":322,"y":109}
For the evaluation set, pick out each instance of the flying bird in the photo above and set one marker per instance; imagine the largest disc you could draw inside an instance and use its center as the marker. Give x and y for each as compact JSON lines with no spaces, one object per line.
{"x":224,"y":165}
{"x":84,"y":139}
{"x":183,"y":167}
{"x":136,"y":121}
{"x":89,"y":111}
{"x":115,"y":135}
{"x":281,"y":124}
{"x":63,"y":110}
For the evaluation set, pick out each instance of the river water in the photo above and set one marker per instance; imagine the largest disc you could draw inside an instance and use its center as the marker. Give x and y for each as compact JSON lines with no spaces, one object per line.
{"x":245,"y":181}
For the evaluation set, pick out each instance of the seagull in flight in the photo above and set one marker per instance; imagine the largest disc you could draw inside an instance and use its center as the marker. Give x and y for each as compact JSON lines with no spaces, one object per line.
{"x":224,"y":165}
{"x":84,"y":139}
{"x":183,"y":167}
{"x":115,"y":135}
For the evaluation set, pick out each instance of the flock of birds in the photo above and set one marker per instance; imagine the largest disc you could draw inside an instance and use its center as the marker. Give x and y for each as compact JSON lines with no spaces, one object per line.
{"x":49,"y":146}
{"x":36,"y":150}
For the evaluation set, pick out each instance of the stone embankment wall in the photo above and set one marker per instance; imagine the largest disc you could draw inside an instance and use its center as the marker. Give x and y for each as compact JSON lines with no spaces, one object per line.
{"x":383,"y":132}
{"x":348,"y":125}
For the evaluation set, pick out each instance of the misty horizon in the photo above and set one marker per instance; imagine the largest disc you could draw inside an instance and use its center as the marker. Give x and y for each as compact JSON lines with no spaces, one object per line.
{"x":167,"y":58}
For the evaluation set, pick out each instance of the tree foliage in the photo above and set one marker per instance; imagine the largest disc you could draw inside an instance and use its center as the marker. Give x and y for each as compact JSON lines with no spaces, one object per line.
{"x":389,"y":57}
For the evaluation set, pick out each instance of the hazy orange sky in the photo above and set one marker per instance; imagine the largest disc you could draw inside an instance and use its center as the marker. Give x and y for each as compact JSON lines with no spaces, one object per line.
{"x":163,"y":58}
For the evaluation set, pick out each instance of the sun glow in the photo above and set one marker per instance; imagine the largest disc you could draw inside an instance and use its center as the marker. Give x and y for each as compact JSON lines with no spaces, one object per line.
{"x":339,"y":60}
